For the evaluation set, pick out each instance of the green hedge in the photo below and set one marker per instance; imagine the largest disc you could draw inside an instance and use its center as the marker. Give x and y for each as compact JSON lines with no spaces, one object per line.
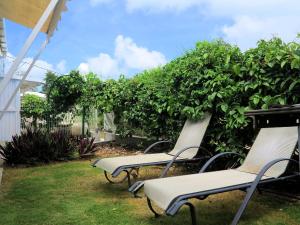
{"x":214,"y":76}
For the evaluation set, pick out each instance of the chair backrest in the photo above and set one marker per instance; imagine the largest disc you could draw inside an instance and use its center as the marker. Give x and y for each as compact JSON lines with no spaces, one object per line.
{"x":191,"y":135}
{"x":271,"y":144}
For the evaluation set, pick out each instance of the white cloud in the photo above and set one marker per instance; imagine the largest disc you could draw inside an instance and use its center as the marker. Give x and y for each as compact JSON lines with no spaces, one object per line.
{"x":98,"y":2}
{"x":159,"y":5}
{"x":38,"y":72}
{"x":250,"y":20}
{"x":136,"y":57}
{"x":127,"y":56}
{"x":84,"y":68}
{"x":246,"y":31}
{"x":61,"y":66}
{"x":103,"y":65}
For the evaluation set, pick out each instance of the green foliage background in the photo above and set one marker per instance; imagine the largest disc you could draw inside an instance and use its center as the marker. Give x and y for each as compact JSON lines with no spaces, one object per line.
{"x":215,"y":77}
{"x":33,"y":107}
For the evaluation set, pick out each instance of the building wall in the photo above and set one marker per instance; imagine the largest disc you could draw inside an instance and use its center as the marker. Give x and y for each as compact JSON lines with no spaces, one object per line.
{"x":11,"y":122}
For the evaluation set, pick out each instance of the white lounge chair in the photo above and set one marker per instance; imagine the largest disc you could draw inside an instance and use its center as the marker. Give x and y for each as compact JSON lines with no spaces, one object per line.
{"x":185,"y":150}
{"x":266,"y":162}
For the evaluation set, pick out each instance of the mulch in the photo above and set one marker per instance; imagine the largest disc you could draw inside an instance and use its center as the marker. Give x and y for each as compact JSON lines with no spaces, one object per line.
{"x":109,"y":150}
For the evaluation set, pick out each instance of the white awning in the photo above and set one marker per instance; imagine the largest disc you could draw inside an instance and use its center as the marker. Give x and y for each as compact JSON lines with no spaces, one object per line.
{"x":28,"y":12}
{"x":41,"y":16}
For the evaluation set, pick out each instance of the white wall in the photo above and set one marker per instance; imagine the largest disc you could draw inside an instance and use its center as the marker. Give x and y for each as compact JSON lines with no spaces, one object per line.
{"x":10,"y":124}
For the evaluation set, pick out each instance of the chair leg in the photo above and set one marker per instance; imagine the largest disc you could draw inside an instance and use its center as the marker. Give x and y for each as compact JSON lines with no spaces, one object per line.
{"x":193,"y":212}
{"x":128,"y":177}
{"x":151,"y":208}
{"x":244,"y":204}
{"x":114,"y":182}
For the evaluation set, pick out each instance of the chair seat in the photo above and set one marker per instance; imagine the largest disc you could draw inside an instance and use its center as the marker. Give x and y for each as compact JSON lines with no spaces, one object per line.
{"x":112,"y":164}
{"x":163,"y":191}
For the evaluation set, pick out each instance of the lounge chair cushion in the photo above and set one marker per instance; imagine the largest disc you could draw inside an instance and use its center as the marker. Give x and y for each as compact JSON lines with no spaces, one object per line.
{"x":271,"y":144}
{"x":112,"y":164}
{"x":191,"y":135}
{"x":163,"y":191}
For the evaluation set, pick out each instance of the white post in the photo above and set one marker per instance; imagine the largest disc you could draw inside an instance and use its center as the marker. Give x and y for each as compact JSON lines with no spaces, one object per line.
{"x":23,"y":78}
{"x":27,"y":44}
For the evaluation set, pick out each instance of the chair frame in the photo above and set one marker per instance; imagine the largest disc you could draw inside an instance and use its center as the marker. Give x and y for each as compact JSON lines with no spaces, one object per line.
{"x":128,"y":169}
{"x":250,"y":188}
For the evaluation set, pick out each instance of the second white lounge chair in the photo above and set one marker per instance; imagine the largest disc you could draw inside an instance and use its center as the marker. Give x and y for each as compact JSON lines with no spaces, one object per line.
{"x":185,"y":150}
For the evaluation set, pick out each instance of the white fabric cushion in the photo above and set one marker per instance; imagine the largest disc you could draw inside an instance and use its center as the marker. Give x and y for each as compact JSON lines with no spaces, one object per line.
{"x":111,"y":164}
{"x":271,"y":144}
{"x":191,"y":135}
{"x":163,"y":191}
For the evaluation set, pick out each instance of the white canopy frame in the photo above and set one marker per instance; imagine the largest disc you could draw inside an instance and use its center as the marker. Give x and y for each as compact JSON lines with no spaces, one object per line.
{"x":53,"y":10}
{"x":24,"y":76}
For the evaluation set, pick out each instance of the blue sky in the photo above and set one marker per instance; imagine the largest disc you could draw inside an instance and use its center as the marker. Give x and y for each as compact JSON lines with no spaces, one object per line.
{"x":110,"y":37}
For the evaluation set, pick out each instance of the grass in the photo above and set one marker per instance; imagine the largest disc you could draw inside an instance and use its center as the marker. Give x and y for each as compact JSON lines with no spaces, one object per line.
{"x":74,"y":193}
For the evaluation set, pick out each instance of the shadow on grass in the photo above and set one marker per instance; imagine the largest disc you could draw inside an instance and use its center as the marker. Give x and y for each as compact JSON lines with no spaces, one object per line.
{"x":220,"y":209}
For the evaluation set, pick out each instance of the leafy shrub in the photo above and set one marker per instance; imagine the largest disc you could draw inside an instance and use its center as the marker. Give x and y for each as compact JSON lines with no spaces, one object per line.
{"x":36,"y":146}
{"x":65,"y":91}
{"x":215,"y":77}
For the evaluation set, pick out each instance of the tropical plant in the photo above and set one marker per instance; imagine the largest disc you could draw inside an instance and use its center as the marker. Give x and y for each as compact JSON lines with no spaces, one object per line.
{"x":86,"y":147}
{"x":49,"y":80}
{"x":33,"y":106}
{"x":37,"y":146}
{"x":65,"y":92}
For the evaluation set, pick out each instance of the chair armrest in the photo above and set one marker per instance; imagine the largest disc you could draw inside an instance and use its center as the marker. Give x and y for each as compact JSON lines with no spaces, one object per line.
{"x":211,"y":160}
{"x":156,"y":143}
{"x":269,"y":165}
{"x":165,"y":171}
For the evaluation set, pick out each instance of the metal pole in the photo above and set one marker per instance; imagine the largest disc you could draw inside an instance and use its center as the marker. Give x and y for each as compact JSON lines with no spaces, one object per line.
{"x":83,"y":120}
{"x":299,"y":147}
{"x":24,"y":77}
{"x":27,"y":44}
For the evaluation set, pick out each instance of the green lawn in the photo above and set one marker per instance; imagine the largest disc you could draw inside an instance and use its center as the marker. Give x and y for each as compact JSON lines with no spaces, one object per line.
{"x":75,"y":193}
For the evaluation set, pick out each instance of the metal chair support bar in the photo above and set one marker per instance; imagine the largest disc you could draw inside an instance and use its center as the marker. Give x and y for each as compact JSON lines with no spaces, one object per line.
{"x":156,"y":143}
{"x":253,"y":187}
{"x":165,"y":171}
{"x":151,"y":208}
{"x":193,"y":212}
{"x":211,"y":160}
